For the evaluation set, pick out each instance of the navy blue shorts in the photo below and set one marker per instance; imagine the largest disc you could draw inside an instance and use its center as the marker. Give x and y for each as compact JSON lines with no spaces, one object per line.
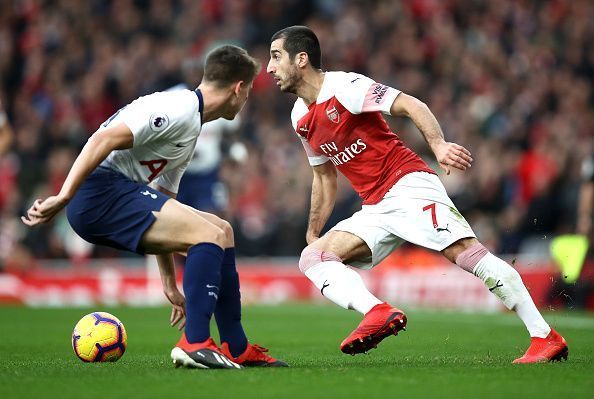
{"x":110,"y":209}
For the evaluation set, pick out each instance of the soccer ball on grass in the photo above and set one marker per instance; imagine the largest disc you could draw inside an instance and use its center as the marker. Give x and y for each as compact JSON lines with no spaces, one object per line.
{"x":99,"y":337}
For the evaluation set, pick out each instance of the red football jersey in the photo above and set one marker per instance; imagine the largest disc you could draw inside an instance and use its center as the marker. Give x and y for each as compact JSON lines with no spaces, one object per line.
{"x":346,"y":126}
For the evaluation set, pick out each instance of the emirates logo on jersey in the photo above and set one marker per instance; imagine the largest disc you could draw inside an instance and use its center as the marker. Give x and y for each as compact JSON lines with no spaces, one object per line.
{"x":333,"y":115}
{"x":339,"y":157}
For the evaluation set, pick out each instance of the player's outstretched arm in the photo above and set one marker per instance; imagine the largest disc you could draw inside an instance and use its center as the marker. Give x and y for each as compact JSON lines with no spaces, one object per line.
{"x":175,"y":297}
{"x":94,"y":152}
{"x":167,"y":271}
{"x":447,"y":154}
{"x":323,"y":197}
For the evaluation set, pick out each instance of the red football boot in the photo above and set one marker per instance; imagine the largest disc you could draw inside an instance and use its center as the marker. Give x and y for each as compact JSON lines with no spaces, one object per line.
{"x":541,"y":350}
{"x":253,"y":356}
{"x":380,"y":322}
{"x":204,"y":355}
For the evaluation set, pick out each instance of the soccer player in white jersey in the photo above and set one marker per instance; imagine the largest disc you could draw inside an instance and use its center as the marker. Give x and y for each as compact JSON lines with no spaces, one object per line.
{"x":338,"y":117}
{"x":121,"y":192}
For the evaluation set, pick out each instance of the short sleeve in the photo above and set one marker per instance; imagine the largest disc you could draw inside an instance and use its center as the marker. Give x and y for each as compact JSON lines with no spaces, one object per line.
{"x":157,"y":117}
{"x":298,"y":112}
{"x":313,"y":158}
{"x":361,"y":94}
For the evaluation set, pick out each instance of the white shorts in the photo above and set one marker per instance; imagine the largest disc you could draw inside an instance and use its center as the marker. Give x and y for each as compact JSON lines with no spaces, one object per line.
{"x":417,"y":209}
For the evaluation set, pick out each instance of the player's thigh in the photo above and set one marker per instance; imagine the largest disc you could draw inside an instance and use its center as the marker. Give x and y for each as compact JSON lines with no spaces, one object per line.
{"x":419,"y":211}
{"x":177,"y":228}
{"x":346,"y":245}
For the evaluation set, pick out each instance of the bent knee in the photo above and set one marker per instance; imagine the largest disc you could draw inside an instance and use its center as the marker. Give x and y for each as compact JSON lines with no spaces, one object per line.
{"x":219,"y":236}
{"x":212,"y":234}
{"x":457,"y":248}
{"x":313,"y":256}
{"x":227,"y":230}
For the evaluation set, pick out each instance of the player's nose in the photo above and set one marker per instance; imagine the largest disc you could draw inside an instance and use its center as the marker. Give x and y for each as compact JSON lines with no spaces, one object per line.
{"x":270,"y":68}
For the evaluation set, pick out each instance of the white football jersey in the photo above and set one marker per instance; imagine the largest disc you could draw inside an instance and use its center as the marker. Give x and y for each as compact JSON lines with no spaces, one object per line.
{"x":207,"y":154}
{"x":165,"y":126}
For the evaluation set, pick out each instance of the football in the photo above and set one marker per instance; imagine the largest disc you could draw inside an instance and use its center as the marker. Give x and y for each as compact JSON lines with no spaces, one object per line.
{"x":99,"y":337}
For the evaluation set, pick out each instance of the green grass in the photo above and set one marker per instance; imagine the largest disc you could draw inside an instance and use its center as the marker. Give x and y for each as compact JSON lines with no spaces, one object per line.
{"x":443,"y":354}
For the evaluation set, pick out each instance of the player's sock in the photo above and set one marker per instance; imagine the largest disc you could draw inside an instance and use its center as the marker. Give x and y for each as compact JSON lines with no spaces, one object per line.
{"x":505,"y":283}
{"x":202,"y":278}
{"x":228,"y":309}
{"x":342,"y":285}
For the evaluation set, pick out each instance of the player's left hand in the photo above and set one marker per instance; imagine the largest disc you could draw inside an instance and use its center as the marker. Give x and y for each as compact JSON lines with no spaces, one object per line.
{"x":42,"y":211}
{"x":178,"y":310}
{"x":452,"y":154}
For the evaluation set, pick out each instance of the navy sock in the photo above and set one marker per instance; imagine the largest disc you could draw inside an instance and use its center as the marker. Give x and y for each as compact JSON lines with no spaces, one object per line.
{"x":202,"y":278}
{"x":228,"y":309}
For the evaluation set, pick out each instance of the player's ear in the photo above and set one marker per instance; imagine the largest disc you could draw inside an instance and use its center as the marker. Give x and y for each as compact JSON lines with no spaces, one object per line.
{"x":302,"y":59}
{"x":238,"y":86}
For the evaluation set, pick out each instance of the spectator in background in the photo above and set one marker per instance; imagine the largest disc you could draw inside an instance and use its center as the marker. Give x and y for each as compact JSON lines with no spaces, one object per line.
{"x":576,"y":292}
{"x":6,"y":134}
{"x":585,"y":209}
{"x":499,"y":74}
{"x":8,"y":228}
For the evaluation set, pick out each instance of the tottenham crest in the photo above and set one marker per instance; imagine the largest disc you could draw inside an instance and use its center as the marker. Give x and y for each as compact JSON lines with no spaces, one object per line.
{"x":333,"y":115}
{"x":158,"y":121}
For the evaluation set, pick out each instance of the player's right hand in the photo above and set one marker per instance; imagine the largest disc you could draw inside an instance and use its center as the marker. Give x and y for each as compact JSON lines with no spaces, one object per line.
{"x":452,"y":155}
{"x":42,"y":211}
{"x":178,"y":310}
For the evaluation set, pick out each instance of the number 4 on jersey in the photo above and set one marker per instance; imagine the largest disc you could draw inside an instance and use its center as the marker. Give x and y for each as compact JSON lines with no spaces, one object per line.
{"x":154,"y":166}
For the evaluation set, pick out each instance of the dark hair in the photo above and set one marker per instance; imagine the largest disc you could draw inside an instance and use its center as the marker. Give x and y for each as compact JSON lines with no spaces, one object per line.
{"x":228,"y":64}
{"x":301,"y":39}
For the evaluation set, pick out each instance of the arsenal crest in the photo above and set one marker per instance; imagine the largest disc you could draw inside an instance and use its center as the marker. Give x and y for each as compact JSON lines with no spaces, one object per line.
{"x":333,"y":115}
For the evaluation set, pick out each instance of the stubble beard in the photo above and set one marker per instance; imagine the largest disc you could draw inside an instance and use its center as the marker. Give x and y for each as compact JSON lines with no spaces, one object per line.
{"x":291,"y":83}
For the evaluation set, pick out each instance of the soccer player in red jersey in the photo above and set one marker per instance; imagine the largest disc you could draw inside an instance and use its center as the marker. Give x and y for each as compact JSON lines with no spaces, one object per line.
{"x":338,"y":117}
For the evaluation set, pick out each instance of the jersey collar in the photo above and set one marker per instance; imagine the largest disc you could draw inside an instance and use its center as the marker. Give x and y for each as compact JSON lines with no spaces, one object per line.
{"x":200,"y":104}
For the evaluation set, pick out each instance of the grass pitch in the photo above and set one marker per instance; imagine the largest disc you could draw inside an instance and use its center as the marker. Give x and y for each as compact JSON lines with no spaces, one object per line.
{"x":443,"y":354}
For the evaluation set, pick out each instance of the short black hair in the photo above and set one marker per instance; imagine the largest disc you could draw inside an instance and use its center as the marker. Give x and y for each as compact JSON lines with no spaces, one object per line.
{"x":228,"y":64}
{"x":301,"y":39}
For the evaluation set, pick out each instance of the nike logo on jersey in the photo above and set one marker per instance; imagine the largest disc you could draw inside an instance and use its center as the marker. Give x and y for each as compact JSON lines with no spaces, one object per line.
{"x":354,"y":80}
{"x":211,"y":286}
{"x":304,"y":129}
{"x":147,"y":192}
{"x":324,"y":286}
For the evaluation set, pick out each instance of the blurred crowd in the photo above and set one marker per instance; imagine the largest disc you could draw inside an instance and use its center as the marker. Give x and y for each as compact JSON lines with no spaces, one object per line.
{"x":511,"y":80}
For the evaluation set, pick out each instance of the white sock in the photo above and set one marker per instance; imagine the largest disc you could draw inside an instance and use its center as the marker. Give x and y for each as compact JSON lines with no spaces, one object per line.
{"x":505,"y":282}
{"x":342,"y":285}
